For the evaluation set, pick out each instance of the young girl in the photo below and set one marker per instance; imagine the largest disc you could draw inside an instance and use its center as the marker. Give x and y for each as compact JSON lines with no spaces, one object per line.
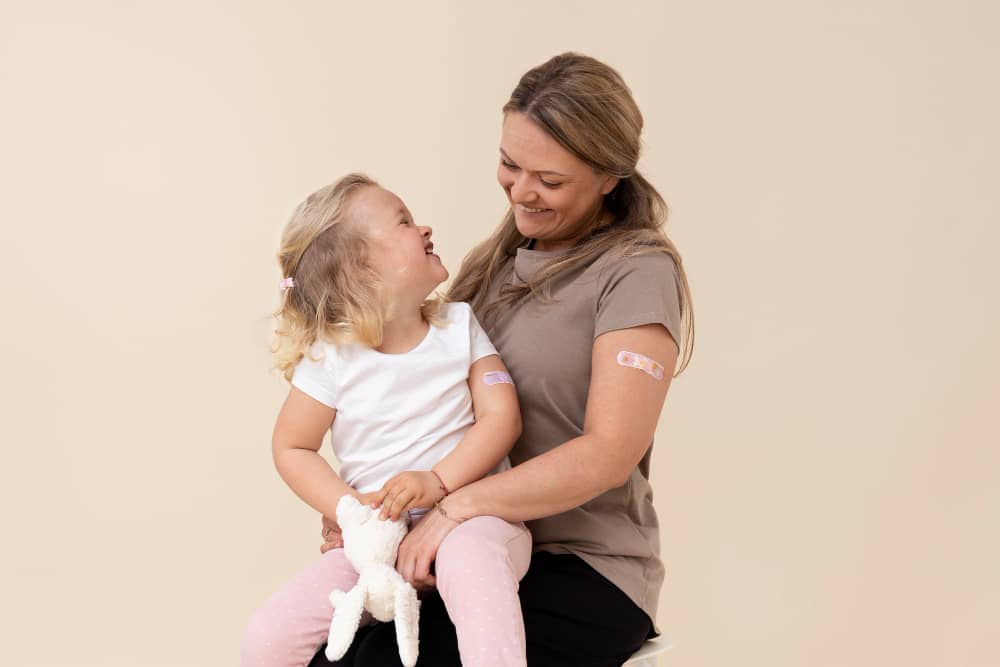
{"x":418,"y":404}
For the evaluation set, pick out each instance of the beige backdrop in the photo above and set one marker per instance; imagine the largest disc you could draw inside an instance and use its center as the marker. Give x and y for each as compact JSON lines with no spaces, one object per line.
{"x":826,"y":472}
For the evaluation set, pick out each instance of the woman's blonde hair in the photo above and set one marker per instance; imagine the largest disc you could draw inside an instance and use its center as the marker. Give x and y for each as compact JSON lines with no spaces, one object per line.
{"x":336,"y":296}
{"x":586,"y":107}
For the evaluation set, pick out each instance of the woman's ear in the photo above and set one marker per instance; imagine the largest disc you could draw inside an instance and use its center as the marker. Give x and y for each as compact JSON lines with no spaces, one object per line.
{"x":609,"y":184}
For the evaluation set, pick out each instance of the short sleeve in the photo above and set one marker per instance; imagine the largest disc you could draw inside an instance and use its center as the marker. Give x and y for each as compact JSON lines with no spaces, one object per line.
{"x":314,"y":376}
{"x":479,"y":343}
{"x":637,"y":290}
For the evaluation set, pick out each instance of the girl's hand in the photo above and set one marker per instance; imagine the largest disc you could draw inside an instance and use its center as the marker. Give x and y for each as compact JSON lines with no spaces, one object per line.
{"x":409,"y":490}
{"x":373,"y":499}
{"x":419,"y":549}
{"x":332,"y":539}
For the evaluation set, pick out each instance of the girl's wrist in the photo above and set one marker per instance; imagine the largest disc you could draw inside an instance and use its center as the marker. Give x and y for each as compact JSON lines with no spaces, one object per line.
{"x":441,"y":484}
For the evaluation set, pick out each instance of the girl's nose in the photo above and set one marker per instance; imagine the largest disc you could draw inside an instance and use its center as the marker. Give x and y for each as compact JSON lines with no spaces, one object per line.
{"x":425,"y":230}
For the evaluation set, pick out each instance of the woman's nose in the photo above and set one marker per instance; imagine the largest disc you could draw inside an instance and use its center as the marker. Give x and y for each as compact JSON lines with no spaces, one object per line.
{"x":426,"y":231}
{"x":520,"y":190}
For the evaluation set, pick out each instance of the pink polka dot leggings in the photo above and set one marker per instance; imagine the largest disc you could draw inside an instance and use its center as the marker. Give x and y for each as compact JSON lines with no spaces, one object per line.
{"x":478,"y":568}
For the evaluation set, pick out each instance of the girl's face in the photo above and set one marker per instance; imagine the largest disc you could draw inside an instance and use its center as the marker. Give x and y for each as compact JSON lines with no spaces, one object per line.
{"x":553,"y":193}
{"x":400,"y":251}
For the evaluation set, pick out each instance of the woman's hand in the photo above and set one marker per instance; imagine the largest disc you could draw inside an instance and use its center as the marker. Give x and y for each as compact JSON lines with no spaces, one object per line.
{"x":419,"y":549}
{"x":332,"y":539}
{"x":409,"y":490}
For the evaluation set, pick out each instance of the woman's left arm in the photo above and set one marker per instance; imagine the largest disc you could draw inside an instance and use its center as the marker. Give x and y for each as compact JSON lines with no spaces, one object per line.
{"x":623,"y":407}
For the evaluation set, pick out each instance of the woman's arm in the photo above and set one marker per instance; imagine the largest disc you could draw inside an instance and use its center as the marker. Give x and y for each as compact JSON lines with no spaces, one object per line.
{"x":298,"y":435}
{"x":623,"y":407}
{"x":497,"y":427}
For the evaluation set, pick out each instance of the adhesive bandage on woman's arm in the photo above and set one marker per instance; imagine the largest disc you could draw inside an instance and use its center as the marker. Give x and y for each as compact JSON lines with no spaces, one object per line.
{"x":643,"y":363}
{"x":497,"y":377}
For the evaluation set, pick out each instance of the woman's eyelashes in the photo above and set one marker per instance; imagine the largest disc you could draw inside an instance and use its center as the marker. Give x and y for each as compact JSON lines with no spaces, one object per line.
{"x":513,"y":167}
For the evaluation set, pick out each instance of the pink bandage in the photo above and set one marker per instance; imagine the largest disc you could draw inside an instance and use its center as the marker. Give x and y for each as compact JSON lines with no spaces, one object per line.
{"x":643,"y":363}
{"x":497,"y":377}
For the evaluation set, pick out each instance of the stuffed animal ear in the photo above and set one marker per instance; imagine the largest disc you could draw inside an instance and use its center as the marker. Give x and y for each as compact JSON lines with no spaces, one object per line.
{"x":349,"y":509}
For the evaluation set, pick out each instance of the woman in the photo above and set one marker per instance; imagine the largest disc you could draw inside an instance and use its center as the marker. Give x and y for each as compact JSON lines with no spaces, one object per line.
{"x":587,"y":302}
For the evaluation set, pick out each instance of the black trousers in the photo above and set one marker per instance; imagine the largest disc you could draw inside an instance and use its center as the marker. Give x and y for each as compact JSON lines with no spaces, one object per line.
{"x":573,"y":617}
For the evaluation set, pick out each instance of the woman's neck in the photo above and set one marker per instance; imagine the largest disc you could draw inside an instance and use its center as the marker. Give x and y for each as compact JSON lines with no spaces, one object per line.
{"x":403,"y":332}
{"x":599,"y":218}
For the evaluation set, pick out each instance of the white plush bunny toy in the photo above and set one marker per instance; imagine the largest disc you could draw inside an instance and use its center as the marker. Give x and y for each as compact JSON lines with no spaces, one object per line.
{"x":371,"y":544}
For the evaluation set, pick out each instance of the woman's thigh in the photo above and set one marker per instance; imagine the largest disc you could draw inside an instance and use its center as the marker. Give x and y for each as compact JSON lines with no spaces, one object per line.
{"x":574,"y":616}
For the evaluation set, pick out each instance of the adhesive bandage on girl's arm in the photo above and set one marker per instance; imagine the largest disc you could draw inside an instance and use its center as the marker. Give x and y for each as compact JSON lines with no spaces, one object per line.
{"x":497,"y":377}
{"x":643,"y":363}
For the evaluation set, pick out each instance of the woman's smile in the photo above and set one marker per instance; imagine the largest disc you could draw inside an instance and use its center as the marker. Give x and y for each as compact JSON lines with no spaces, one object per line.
{"x":532,"y":211}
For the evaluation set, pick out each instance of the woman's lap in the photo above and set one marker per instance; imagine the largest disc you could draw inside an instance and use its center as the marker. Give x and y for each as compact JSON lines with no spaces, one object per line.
{"x":572,"y":616}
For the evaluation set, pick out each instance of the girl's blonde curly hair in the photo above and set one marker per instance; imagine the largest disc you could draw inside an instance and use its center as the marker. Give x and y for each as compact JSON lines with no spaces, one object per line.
{"x":336,"y":296}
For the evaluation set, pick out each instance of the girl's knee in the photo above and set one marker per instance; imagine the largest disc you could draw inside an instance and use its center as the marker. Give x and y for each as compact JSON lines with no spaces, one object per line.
{"x":482,"y":530}
{"x":483,"y":541}
{"x":261,"y":640}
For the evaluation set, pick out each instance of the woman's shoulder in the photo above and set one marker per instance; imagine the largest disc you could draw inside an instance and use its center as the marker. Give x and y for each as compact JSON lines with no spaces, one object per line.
{"x":641,"y":260}
{"x":639,"y":287}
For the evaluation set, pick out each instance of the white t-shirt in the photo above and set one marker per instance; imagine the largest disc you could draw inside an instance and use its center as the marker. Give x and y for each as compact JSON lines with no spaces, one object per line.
{"x":397,"y":412}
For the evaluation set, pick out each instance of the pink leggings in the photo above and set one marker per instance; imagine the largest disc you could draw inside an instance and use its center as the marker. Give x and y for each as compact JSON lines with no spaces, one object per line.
{"x":478,"y":568}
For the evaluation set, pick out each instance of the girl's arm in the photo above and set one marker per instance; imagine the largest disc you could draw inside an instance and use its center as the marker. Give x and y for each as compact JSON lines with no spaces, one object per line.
{"x":298,"y":435}
{"x":497,"y":427}
{"x":623,"y":407}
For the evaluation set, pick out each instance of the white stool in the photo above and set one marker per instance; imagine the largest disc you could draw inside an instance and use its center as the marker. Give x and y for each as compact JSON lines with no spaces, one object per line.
{"x":647,"y":654}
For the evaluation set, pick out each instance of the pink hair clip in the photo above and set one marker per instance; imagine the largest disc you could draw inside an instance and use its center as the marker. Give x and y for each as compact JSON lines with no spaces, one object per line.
{"x":287,"y":283}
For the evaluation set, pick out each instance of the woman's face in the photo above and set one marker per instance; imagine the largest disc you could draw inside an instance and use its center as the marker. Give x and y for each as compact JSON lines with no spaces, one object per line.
{"x":553,"y":193}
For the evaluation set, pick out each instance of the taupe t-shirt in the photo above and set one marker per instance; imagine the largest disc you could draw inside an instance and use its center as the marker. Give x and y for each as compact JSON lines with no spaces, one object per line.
{"x":547,"y":348}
